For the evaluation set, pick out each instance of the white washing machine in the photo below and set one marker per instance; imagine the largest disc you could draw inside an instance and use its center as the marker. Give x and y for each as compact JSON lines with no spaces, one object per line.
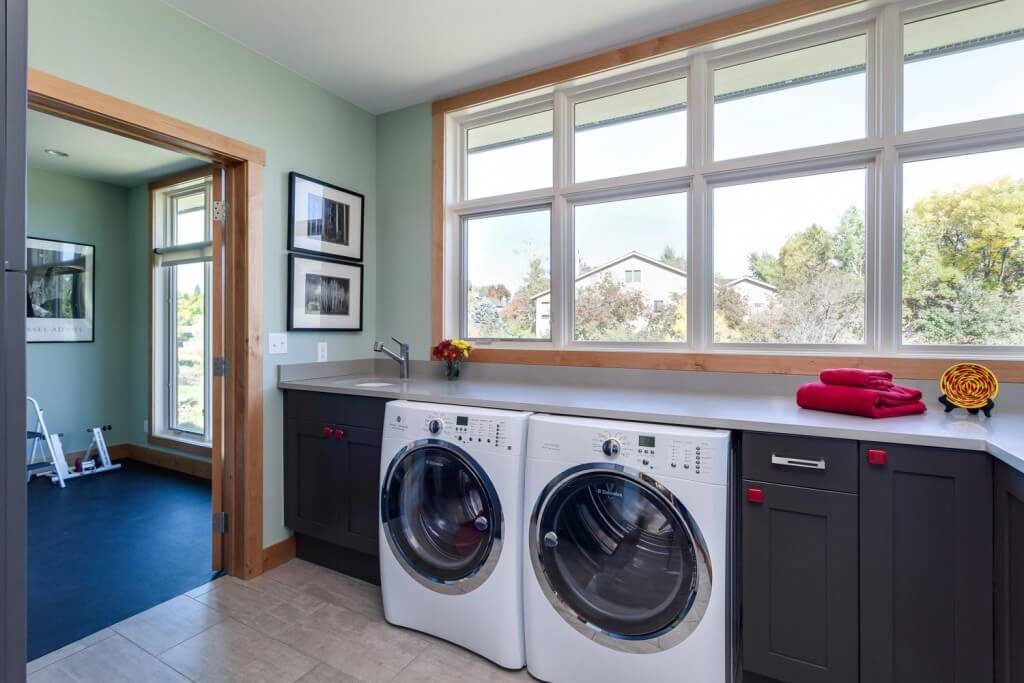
{"x":451,"y":487}
{"x":624,"y":574}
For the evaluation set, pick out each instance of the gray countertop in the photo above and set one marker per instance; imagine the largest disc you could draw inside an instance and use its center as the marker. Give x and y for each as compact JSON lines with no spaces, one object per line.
{"x":1002,"y":435}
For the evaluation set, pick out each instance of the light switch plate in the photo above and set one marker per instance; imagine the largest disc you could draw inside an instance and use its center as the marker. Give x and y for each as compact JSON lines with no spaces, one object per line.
{"x":321,"y":352}
{"x":277,"y":342}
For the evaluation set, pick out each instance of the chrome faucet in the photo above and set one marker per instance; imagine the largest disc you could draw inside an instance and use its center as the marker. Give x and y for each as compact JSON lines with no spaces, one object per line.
{"x":402,"y":357}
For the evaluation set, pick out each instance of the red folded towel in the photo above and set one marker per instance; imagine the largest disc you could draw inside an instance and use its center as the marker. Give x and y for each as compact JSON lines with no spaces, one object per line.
{"x":875,"y":403}
{"x":855,"y":377}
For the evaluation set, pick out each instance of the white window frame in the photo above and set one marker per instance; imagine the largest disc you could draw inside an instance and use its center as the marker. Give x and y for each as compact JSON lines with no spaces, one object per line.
{"x":882,"y":152}
{"x":164,"y":356}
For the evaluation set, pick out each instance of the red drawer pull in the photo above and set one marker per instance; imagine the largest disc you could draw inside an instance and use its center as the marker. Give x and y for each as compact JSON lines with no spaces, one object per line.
{"x":755,"y":495}
{"x":876,"y":456}
{"x":328,"y":431}
{"x":338,"y":433}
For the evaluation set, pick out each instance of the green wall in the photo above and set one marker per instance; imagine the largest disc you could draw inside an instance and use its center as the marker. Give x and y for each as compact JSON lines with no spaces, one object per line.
{"x":403,"y":227}
{"x":154,"y":56}
{"x":88,"y":384}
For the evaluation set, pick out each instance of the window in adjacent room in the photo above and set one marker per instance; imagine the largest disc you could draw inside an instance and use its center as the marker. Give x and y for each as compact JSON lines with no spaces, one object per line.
{"x":181,"y":311}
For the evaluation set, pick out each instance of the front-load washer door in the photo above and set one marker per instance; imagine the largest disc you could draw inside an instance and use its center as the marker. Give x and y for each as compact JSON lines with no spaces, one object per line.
{"x":441,"y":516}
{"x":620,"y":558}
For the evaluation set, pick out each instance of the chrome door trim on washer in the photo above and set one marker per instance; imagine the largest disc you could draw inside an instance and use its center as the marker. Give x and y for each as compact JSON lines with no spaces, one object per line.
{"x":481,"y":572}
{"x":688,"y":618}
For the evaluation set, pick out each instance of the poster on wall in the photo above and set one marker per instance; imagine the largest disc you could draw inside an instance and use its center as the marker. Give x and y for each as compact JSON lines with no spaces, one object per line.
{"x":324,"y":295}
{"x":324,"y":219}
{"x":61,"y":287}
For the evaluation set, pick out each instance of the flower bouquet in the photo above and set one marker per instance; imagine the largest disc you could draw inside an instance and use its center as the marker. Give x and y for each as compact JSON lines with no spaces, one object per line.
{"x":452,"y":352}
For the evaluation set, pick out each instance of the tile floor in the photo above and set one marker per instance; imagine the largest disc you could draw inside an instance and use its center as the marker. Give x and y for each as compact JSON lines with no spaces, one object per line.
{"x":298,"y":622}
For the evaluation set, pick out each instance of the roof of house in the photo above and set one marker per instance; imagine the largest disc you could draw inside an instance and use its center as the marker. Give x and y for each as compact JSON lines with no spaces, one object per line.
{"x":752,"y":280}
{"x":605,"y":266}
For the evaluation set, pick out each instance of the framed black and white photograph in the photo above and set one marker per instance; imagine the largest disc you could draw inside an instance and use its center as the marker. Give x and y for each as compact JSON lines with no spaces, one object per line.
{"x":324,"y":295}
{"x":324,"y":219}
{"x":61,"y":285}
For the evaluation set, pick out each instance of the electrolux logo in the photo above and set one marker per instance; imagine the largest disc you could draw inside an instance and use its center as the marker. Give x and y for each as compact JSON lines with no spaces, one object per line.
{"x":611,"y":493}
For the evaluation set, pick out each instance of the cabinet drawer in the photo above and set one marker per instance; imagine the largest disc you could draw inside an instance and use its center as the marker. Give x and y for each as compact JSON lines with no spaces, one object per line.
{"x":339,"y":409}
{"x":812,"y":462}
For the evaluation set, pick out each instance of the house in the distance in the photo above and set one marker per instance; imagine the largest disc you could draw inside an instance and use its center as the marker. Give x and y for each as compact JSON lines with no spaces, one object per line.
{"x":656,"y":279}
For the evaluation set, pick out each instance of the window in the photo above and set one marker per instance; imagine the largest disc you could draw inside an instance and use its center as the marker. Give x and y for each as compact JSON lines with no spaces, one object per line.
{"x":508,"y":267}
{"x":796,"y":99}
{"x":963,"y":249}
{"x":606,"y":129}
{"x":629,"y":236}
{"x":964,"y":66}
{"x":509,"y":156}
{"x":181,"y":312}
{"x":850,"y":184}
{"x":798,"y":278}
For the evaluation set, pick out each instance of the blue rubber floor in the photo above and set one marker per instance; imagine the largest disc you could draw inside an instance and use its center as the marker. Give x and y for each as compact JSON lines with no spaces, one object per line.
{"x":109,"y":546}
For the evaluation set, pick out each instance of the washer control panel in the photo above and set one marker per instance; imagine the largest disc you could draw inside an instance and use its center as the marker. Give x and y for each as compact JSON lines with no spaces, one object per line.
{"x":467,"y":429}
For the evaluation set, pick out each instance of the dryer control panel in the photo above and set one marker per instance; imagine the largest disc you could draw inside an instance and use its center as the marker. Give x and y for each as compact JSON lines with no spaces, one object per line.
{"x":662,"y":452}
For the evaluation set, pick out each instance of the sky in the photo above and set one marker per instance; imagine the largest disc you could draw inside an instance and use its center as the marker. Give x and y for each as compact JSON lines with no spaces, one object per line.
{"x":759,"y":216}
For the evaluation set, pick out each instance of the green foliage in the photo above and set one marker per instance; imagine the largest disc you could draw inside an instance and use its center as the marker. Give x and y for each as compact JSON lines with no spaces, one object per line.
{"x":963,"y":266}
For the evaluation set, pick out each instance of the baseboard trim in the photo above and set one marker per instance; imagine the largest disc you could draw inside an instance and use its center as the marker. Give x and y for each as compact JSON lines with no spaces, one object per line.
{"x":169,"y":461}
{"x":279,"y":553}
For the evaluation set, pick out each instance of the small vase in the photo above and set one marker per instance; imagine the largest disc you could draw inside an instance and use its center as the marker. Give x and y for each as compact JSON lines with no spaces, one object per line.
{"x":452,"y":369}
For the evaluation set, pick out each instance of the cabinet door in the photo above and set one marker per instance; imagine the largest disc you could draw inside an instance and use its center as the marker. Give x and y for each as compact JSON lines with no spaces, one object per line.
{"x":799,"y":584}
{"x":313,"y":473}
{"x":1009,"y":555}
{"x":926,"y":569}
{"x":359,"y":489}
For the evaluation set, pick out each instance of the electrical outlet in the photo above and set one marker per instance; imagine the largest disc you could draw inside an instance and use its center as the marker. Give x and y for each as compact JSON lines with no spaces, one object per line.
{"x":277,"y":343}
{"x":145,"y":426}
{"x":321,"y":352}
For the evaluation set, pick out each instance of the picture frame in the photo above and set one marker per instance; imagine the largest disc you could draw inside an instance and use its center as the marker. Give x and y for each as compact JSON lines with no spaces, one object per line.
{"x":60,"y":291}
{"x":324,"y":295}
{"x":325,"y":220}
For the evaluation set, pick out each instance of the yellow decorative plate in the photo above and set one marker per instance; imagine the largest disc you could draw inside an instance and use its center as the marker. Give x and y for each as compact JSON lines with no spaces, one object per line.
{"x":969,"y":385}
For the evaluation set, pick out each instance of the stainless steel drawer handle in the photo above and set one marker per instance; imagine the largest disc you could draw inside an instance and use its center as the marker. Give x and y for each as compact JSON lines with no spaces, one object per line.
{"x":783,"y":461}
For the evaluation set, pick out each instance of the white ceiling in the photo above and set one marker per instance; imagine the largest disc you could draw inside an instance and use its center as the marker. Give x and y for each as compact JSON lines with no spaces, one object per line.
{"x":98,"y":155}
{"x":387,"y":54}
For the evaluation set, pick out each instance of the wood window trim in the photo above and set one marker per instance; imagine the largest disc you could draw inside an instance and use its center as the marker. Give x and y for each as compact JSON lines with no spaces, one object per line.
{"x":241,"y":473}
{"x":155,"y":439}
{"x":907,"y":367}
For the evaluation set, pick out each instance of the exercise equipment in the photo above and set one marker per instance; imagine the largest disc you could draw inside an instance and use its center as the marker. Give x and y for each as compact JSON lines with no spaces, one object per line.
{"x":46,"y":457}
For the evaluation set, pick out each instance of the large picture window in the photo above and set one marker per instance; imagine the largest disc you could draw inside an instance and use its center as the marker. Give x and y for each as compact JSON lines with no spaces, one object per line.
{"x":853,"y":184}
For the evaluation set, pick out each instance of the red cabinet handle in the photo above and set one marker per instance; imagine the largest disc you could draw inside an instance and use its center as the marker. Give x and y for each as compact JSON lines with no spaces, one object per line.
{"x":338,"y":433}
{"x":755,"y":495}
{"x":328,"y":431}
{"x":876,"y":456}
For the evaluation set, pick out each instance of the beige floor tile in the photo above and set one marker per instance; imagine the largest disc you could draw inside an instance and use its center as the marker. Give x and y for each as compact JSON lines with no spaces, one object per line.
{"x":452,"y":664}
{"x":94,"y":638}
{"x":55,"y":656}
{"x":348,"y":592}
{"x":160,"y":628}
{"x":112,"y":660}
{"x":362,"y":647}
{"x":327,"y":674}
{"x":204,"y":588}
{"x":231,"y":651}
{"x":236,"y":599}
{"x":295,"y":573}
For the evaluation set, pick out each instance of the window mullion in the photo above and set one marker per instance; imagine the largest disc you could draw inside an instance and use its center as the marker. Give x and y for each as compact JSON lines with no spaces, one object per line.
{"x":561,"y":239}
{"x":699,"y":270}
{"x":887,"y":252}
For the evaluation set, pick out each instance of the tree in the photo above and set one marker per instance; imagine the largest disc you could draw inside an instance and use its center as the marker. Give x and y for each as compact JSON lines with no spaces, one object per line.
{"x":608,"y":310}
{"x":669,"y":256}
{"x":485,"y":317}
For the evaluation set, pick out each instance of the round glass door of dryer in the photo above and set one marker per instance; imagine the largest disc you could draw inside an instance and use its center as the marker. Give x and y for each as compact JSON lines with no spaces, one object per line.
{"x":441,"y":516}
{"x":620,"y":558}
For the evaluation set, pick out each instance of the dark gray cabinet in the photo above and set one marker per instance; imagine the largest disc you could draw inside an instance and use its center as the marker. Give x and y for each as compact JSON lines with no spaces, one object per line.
{"x":1009,"y":574}
{"x":331,"y":479}
{"x":799,"y":583}
{"x":925,"y":565}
